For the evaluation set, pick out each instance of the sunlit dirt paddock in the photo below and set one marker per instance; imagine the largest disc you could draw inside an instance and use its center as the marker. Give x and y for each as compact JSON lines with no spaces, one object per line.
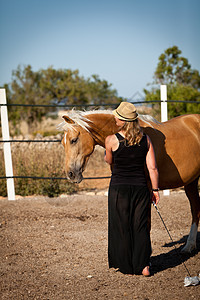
{"x":57,"y":249}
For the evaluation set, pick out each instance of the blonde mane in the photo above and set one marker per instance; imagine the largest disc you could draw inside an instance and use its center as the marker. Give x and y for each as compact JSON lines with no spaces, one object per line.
{"x":80,"y":119}
{"x":147,"y":118}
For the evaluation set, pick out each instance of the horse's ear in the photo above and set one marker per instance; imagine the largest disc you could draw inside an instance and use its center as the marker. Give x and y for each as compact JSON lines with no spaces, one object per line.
{"x":68,"y":120}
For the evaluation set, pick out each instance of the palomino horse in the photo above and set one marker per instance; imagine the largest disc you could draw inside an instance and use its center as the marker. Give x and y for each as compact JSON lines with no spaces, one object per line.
{"x":176,"y":143}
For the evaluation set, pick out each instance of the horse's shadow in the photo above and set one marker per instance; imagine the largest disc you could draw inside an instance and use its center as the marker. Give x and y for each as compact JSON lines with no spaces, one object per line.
{"x":174,"y":257}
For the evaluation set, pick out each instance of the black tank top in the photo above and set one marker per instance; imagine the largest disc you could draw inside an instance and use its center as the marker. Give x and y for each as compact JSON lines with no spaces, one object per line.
{"x":129,"y":162}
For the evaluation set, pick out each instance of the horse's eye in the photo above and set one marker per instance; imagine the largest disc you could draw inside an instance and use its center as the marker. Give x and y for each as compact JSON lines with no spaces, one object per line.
{"x":73,"y":141}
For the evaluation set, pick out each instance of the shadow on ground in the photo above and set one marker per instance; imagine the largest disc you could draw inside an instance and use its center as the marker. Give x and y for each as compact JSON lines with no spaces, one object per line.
{"x":174,"y":257}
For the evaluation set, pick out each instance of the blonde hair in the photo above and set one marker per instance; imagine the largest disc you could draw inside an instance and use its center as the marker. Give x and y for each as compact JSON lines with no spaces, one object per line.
{"x":133,"y":132}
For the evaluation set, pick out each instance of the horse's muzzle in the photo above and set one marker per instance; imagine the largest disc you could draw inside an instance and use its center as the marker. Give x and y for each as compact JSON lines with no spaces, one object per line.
{"x":75,"y":177}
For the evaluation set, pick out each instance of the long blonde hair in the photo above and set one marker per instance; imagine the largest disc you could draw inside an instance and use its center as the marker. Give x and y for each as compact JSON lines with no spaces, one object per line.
{"x":133,"y":132}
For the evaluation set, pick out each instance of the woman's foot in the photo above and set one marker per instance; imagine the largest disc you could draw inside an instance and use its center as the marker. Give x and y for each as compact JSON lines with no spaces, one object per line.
{"x":146,"y":271}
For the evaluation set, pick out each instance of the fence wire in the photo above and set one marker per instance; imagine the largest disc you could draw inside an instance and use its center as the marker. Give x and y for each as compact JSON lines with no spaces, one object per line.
{"x":51,"y":178}
{"x":30,"y":141}
{"x":97,"y":105}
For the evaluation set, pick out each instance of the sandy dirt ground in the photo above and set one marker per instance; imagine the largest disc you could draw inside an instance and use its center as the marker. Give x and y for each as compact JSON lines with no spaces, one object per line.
{"x":57,"y":249}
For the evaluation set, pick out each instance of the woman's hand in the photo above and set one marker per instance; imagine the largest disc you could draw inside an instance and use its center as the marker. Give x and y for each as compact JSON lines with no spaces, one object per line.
{"x":155,"y":197}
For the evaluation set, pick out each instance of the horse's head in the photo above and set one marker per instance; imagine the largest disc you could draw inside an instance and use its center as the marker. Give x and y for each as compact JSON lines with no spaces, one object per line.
{"x":79,"y":145}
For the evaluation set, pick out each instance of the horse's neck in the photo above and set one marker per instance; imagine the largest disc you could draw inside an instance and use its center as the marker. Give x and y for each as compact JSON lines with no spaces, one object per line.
{"x":101,"y":126}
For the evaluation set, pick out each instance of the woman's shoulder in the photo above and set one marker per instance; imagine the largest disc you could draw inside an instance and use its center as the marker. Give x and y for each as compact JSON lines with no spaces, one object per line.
{"x":110,"y":138}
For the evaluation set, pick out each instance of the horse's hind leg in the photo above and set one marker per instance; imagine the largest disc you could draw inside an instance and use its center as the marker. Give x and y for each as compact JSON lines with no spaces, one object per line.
{"x":193,"y":196}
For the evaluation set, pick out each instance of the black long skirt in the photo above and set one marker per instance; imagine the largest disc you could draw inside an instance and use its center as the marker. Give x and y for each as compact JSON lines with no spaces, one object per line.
{"x":129,"y":245}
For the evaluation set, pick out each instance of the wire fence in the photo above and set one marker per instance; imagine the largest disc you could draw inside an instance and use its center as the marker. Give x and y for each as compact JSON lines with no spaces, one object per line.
{"x":58,"y":140}
{"x":30,"y":141}
{"x":97,"y":105}
{"x":53,"y":178}
{"x":75,"y":105}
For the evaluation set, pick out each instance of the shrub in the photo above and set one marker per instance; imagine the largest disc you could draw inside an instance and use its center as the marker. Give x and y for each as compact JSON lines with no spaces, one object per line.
{"x":41,"y":160}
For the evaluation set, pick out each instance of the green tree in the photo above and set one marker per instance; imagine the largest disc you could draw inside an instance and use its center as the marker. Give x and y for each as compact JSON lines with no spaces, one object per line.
{"x":173,"y":68}
{"x":61,"y":84}
{"x":25,"y":89}
{"x":100,"y":91}
{"x":183,"y":82}
{"x":177,"y":92}
{"x":51,"y":86}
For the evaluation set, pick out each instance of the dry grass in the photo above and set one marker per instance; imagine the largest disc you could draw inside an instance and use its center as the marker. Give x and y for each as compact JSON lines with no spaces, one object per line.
{"x":47,"y":160}
{"x":41,"y":160}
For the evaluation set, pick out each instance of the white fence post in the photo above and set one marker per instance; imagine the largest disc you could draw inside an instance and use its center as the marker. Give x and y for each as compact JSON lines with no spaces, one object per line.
{"x":163,"y":96}
{"x":164,"y":115}
{"x":6,"y":146}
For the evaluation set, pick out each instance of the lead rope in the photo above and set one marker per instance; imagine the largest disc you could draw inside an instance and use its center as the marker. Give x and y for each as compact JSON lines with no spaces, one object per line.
{"x":171,"y":238}
{"x":188,"y":279}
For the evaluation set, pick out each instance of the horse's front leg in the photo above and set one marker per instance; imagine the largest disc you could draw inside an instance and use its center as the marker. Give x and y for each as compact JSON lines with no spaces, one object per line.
{"x":193,"y":196}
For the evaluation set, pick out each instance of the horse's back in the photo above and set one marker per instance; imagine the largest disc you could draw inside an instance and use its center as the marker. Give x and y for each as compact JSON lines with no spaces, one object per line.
{"x":191,"y":121}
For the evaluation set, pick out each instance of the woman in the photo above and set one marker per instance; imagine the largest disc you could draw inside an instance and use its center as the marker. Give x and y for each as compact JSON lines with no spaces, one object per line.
{"x":129,"y":245}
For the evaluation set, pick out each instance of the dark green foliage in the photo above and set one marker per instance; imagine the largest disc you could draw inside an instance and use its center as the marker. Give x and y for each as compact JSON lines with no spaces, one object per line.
{"x":50,"y":86}
{"x":183,"y":83}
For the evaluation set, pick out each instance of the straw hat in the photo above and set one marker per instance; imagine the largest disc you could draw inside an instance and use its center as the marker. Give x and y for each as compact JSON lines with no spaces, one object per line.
{"x":126,"y":111}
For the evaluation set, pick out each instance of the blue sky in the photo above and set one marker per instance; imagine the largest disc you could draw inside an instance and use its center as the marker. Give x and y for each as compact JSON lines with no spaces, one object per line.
{"x":120,"y":40}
